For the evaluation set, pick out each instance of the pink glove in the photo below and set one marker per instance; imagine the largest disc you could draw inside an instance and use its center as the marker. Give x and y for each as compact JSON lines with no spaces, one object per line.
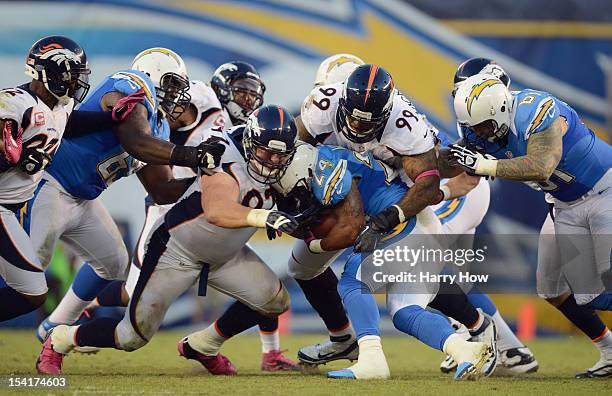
{"x":12,"y":139}
{"x":126,"y":104}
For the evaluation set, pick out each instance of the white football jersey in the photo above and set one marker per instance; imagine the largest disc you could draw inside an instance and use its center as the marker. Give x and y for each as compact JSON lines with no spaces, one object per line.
{"x":210,"y":120}
{"x":42,"y":127}
{"x":407,"y":132}
{"x":196,"y":239}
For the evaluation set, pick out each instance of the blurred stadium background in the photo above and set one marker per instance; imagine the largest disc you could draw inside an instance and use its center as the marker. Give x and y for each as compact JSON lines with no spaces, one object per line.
{"x":565,"y":50}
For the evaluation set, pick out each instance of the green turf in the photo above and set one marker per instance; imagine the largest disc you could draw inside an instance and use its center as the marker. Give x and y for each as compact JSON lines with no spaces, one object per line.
{"x":157,"y":369}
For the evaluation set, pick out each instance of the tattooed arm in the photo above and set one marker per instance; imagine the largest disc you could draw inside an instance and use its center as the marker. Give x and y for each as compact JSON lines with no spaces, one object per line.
{"x":544,"y":151}
{"x":425,"y":190}
{"x":303,"y":133}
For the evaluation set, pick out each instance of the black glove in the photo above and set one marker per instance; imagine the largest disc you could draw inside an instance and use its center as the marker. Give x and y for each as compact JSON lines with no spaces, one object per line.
{"x":278,"y":222}
{"x":386,"y":220}
{"x":33,"y":160}
{"x":368,"y":239}
{"x":210,"y":153}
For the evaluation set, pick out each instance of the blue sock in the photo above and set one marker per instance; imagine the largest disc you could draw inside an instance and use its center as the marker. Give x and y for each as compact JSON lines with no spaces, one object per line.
{"x":429,"y":328}
{"x":603,"y":302}
{"x":482,"y":301}
{"x":360,"y":306}
{"x":87,"y":284}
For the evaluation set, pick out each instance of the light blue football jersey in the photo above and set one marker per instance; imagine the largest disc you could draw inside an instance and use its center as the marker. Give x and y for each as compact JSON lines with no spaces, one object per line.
{"x":585,"y":158}
{"x":85,"y":166}
{"x":335,"y":168}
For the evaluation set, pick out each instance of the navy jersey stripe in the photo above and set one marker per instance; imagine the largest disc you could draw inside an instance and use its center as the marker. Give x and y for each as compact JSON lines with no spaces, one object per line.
{"x":185,"y":210}
{"x":11,"y":253}
{"x":156,"y":247}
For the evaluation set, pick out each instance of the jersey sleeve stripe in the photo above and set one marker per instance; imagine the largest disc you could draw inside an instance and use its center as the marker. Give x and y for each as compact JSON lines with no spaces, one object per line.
{"x":142,"y":84}
{"x":336,"y":176}
{"x":539,"y":118}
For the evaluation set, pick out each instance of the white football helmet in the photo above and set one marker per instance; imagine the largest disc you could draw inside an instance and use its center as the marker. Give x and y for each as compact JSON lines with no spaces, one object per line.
{"x":483,"y":104}
{"x":168,"y":72}
{"x":336,"y":69}
{"x":299,"y":171}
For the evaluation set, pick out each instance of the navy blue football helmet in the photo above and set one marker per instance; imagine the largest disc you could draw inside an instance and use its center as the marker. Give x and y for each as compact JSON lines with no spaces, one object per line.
{"x":474,"y":66}
{"x":269,"y":141}
{"x":61,"y":65}
{"x":365,"y":104}
{"x":239,"y":88}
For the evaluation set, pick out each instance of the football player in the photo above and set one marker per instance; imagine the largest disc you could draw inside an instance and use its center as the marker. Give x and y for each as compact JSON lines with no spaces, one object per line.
{"x":65,"y":205}
{"x":534,"y":136}
{"x":235,"y":91}
{"x":356,"y":184}
{"x":204,"y":236}
{"x":460,"y":213}
{"x":33,"y":118}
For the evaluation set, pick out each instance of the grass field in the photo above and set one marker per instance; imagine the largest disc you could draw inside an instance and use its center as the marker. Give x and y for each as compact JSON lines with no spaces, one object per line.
{"x":157,"y":369}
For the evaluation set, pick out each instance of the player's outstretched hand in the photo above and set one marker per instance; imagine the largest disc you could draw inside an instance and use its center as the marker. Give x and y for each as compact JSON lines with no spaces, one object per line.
{"x":125,"y":105}
{"x":33,"y":160}
{"x":210,"y":153}
{"x":278,"y":222}
{"x":472,"y":161}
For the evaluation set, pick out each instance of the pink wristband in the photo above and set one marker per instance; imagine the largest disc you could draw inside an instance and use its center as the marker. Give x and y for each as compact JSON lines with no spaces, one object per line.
{"x":431,"y":172}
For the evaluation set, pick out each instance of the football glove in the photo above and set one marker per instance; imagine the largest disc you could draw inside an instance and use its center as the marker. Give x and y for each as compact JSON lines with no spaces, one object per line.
{"x":12,"y":137}
{"x":472,"y":161}
{"x":33,"y":160}
{"x":210,"y":153}
{"x":125,"y":105}
{"x":368,"y":239}
{"x":279,"y":222}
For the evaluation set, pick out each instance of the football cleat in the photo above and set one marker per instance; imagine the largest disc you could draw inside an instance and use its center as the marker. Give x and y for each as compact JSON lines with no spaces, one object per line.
{"x":275,"y":361}
{"x":479,"y":361}
{"x":448,"y":364}
{"x":601,"y":369}
{"x":216,"y":365}
{"x":516,"y":361}
{"x":372,"y":363}
{"x":46,"y":326}
{"x":50,"y":361}
{"x":336,"y":348}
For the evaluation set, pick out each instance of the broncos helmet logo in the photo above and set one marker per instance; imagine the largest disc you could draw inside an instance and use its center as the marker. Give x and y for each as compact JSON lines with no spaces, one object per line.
{"x":477,"y":90}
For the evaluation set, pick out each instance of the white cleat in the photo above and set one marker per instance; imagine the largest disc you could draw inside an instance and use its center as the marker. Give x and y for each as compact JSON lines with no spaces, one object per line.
{"x":516,"y":361}
{"x":448,"y":364}
{"x":601,"y":369}
{"x":478,"y":360}
{"x":336,"y":348}
{"x":372,"y":363}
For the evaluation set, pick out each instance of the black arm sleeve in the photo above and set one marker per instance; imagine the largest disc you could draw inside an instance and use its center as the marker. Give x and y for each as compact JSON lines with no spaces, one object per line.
{"x":86,"y":122}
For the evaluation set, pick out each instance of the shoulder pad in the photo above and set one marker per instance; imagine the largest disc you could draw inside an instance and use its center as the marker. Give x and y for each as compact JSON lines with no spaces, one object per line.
{"x":14,"y":102}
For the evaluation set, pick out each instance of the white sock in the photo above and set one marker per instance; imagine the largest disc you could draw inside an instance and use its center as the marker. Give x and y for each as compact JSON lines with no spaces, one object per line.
{"x":270,"y":341}
{"x":69,"y":309}
{"x":604,"y":344}
{"x":207,"y":341}
{"x":505,"y":337}
{"x":348,"y":329}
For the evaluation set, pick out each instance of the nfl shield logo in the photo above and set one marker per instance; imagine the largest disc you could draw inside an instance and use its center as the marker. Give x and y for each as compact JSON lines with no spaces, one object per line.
{"x":509,"y":154}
